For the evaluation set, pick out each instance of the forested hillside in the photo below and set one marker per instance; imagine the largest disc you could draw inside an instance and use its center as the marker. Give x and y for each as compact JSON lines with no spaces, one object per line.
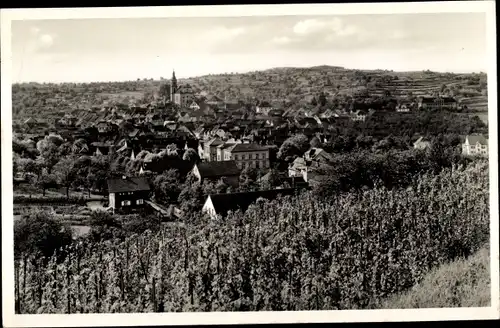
{"x":290,"y":87}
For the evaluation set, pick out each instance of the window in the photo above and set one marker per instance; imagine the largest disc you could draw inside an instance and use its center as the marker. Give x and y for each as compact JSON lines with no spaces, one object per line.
{"x":236,"y":157}
{"x":140,"y":202}
{"x":126,"y":203}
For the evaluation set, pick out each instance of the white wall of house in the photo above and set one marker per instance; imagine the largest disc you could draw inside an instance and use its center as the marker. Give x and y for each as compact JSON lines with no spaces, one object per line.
{"x":208,"y":208}
{"x":112,"y":200}
{"x":196,"y":172}
{"x":474,"y":150}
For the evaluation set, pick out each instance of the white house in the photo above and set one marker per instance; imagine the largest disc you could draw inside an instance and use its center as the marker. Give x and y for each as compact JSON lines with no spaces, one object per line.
{"x":194,"y":105}
{"x":359,"y":116}
{"x":475,"y":145}
{"x":421,"y":143}
{"x":403,"y":107}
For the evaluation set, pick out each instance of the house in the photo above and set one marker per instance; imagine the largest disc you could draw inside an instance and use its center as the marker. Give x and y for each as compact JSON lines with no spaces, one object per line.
{"x":421,"y":143}
{"x":309,"y":163}
{"x":194,"y":105}
{"x":228,"y":171}
{"x":181,"y":95}
{"x":264,"y":108}
{"x":404,"y":106}
{"x":128,"y":192}
{"x":317,"y":155}
{"x":210,"y":149}
{"x":247,"y":155}
{"x":433,"y":103}
{"x":475,"y":145}
{"x":100,"y":148}
{"x":221,"y":204}
{"x":359,"y":116}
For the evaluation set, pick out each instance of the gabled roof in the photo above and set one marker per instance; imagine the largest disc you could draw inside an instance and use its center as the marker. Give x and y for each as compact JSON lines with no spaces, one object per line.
{"x":128,"y":184}
{"x":167,"y":163}
{"x":474,"y":139}
{"x":218,"y":169}
{"x":420,"y":140}
{"x":242,"y":200}
{"x":315,"y":153}
{"x":244,"y":147}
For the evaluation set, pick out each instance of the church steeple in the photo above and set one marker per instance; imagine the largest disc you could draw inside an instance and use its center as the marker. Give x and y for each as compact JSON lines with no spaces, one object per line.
{"x":174,"y":82}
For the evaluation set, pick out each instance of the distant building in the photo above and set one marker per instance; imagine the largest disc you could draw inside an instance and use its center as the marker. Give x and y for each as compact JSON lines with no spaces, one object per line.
{"x":263,"y":108}
{"x":475,"y":145}
{"x":359,"y":116}
{"x":433,"y":103}
{"x":247,"y":155}
{"x":181,"y":95}
{"x":220,"y":204}
{"x":128,"y":192}
{"x":421,"y":143}
{"x":228,"y":171}
{"x":404,"y":107}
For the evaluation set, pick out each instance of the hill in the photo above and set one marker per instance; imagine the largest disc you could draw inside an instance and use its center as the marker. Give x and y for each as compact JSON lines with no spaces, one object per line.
{"x":461,"y":283}
{"x":295,"y":86}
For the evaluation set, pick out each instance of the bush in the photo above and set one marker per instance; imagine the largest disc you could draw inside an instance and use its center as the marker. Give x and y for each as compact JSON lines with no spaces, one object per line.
{"x":40,"y":234}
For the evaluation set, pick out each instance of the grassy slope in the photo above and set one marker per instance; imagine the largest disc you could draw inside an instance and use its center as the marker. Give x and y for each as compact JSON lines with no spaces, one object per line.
{"x":462,"y":283}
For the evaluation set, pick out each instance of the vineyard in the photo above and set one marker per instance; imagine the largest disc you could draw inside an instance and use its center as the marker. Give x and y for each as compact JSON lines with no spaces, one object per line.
{"x":295,"y":253}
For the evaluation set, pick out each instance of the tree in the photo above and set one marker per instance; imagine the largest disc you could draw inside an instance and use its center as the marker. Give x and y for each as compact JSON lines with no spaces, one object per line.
{"x":167,"y":186}
{"x":104,"y":226}
{"x":191,"y":155}
{"x":296,"y":145}
{"x":221,"y":187}
{"x":315,"y":142}
{"x":46,"y":180}
{"x":65,"y":173}
{"x":39,"y":233}
{"x":322,"y":99}
{"x":191,"y":197}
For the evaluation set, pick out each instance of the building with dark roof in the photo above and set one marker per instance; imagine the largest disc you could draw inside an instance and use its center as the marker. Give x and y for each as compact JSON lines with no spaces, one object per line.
{"x":248,"y":155}
{"x":475,"y":145}
{"x":220,"y":204}
{"x":128,"y":192}
{"x":430,"y":103}
{"x":228,"y":171}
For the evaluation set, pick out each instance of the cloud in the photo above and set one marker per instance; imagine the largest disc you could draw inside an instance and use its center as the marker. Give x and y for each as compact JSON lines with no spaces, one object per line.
{"x":222,"y":33}
{"x":35,"y":30}
{"x":317,"y":26}
{"x":46,"y":40}
{"x":281,"y":40}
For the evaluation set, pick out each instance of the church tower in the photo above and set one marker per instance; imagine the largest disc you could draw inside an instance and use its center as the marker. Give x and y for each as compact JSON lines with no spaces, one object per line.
{"x":174,"y":90}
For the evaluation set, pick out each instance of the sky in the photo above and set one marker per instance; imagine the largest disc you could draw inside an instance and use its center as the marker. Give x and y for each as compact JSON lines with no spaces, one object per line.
{"x":86,"y":50}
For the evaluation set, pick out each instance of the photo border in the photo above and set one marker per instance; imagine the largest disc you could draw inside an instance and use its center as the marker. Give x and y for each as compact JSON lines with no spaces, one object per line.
{"x":192,"y":318}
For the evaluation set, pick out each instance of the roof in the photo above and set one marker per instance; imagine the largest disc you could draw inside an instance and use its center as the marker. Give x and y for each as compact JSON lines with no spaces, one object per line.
{"x":245,"y":147}
{"x":434,"y":99}
{"x":166,"y":163}
{"x":474,"y":139}
{"x":421,"y":140}
{"x":128,"y":184}
{"x":314,"y":153}
{"x":218,"y":169}
{"x":242,"y":200}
